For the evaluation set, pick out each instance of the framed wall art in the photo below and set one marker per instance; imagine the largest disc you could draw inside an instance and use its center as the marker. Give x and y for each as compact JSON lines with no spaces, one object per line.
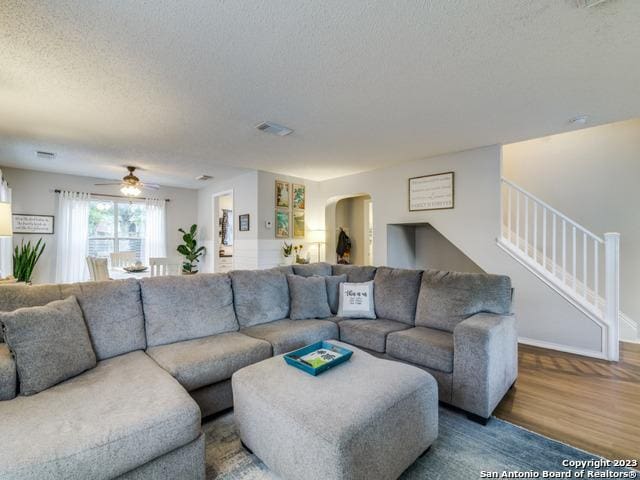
{"x":299,"y":196}
{"x":282,"y":223}
{"x":283,"y":194}
{"x":431,"y":192}
{"x":298,"y":224}
{"x":33,"y":224}
{"x":243,"y":223}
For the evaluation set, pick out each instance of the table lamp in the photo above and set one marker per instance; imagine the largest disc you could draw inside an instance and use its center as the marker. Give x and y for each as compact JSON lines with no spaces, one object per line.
{"x":319,"y":237}
{"x":5,"y":220}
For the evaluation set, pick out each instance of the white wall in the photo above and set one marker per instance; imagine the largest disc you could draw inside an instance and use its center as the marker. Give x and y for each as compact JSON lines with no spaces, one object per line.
{"x":473,"y":227}
{"x":33,"y":193}
{"x":591,"y":175}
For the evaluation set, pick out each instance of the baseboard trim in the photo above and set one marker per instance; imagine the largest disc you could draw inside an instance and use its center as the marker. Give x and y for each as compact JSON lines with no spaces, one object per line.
{"x":562,"y":348}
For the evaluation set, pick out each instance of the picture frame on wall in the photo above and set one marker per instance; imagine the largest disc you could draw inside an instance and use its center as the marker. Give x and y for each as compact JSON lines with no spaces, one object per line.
{"x":33,"y":224}
{"x":432,"y":192}
{"x":243,"y":223}
{"x":282,"y":223}
{"x":298,"y":224}
{"x":283,"y":194}
{"x":298,"y":196}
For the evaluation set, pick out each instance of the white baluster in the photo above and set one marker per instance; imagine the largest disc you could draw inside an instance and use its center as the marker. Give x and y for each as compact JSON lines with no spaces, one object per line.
{"x":612,"y":292}
{"x":564,"y":251}
{"x":517,"y":219}
{"x":509,"y":213}
{"x":544,"y":238}
{"x":553,"y":245}
{"x":596,"y":280}
{"x":574,"y":258}
{"x":584,"y":264}
{"x":535,"y":231}
{"x":526,"y":225}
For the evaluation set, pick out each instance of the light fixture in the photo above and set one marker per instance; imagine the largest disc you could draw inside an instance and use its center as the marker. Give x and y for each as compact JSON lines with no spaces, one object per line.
{"x":6,"y":229}
{"x":130,"y":190}
{"x":579,"y":120}
{"x":131,"y":185}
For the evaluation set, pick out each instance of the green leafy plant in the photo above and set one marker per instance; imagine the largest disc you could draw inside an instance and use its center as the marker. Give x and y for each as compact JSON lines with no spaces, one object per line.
{"x":287,"y":249}
{"x":25,"y":258}
{"x":190,"y":250}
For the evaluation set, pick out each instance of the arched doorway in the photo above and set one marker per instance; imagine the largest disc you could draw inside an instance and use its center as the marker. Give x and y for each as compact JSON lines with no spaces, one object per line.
{"x":352,"y":214}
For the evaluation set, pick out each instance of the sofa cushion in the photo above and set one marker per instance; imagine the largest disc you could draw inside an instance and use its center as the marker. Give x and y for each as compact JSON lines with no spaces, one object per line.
{"x":101,"y":424}
{"x":355,"y":273}
{"x":447,"y":298}
{"x":321,"y":269}
{"x":8,"y":374}
{"x":355,"y":300}
{"x":50,"y":344}
{"x":308,"y":297}
{"x":427,"y":347}
{"x":370,"y":334}
{"x":204,"y":361}
{"x":113,"y":313}
{"x":20,"y":295}
{"x":333,"y":290}
{"x":396,"y":293}
{"x":260,"y":296}
{"x":287,"y":335}
{"x":178,"y":308}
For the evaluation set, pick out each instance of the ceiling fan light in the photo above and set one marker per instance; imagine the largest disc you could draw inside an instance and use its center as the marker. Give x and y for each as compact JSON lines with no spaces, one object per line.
{"x":130,"y":190}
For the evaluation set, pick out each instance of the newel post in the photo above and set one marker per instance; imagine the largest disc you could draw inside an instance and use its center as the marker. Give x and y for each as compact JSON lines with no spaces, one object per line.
{"x":612,"y":293}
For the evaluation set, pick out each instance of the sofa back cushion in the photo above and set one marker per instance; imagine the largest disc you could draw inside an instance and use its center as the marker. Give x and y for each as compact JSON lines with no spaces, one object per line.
{"x":185,"y":307}
{"x":333,"y":290}
{"x":320,"y":269}
{"x":396,"y":293}
{"x":355,"y":273}
{"x":20,"y":295}
{"x":447,"y":298}
{"x":113,"y":312}
{"x":260,"y":296}
{"x":50,"y":344}
{"x":308,"y":297}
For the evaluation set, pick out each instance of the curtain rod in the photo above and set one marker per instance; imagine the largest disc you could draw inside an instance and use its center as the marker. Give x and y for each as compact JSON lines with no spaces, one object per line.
{"x":57,"y":190}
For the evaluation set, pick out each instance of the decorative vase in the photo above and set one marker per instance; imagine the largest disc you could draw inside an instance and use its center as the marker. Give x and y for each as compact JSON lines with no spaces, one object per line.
{"x":288,"y":260}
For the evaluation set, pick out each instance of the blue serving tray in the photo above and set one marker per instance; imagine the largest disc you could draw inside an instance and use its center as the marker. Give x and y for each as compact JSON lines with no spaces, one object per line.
{"x":292,"y":358}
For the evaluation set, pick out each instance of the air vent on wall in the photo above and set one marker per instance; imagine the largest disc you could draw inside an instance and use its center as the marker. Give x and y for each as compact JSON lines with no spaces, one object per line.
{"x":204,"y":178}
{"x":274,"y":128}
{"x":45,"y":155}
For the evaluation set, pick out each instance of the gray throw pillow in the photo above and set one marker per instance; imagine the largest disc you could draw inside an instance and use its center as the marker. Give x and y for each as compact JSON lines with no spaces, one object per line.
{"x":333,"y":290}
{"x":356,"y":300}
{"x":308,"y":298}
{"x":50,"y":344}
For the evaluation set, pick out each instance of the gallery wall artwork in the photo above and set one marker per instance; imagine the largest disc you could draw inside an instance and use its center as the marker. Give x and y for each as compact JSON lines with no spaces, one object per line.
{"x":282,"y":223}
{"x":431,"y":192}
{"x":299,"y":196}
{"x":283,"y":194}
{"x":290,"y":205}
{"x":298,"y":224}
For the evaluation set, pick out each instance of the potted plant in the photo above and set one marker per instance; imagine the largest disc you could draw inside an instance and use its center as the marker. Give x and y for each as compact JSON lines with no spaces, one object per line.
{"x":298,"y":251}
{"x":190,"y":250}
{"x":25,"y":258}
{"x":287,"y":253}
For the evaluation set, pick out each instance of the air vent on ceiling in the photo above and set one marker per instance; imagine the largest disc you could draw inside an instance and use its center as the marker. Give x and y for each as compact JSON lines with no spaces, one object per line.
{"x":204,"y":178}
{"x":589,"y":3}
{"x":45,"y":155}
{"x":274,"y":128}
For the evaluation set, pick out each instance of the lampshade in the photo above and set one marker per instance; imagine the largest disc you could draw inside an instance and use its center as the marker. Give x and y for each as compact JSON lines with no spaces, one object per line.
{"x":317,"y":236}
{"x":5,"y":220}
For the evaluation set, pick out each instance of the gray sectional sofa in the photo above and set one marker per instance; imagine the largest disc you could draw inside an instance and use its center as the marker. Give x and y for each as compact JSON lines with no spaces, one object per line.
{"x":166,"y":349}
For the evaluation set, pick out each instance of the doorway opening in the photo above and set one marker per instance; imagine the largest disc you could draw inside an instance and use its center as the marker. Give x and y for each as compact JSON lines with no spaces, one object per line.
{"x":350,"y":220}
{"x":224,"y":231}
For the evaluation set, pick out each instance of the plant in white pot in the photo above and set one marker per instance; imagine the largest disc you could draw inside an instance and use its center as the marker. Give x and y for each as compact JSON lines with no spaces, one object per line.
{"x":25,"y":258}
{"x":190,"y":250}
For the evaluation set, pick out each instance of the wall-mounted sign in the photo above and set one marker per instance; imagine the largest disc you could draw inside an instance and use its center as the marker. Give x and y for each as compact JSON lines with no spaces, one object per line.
{"x":33,"y":224}
{"x":431,"y":192}
{"x":243,"y":224}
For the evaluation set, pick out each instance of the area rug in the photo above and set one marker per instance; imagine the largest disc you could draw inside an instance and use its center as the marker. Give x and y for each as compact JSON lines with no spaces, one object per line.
{"x":463,"y":450}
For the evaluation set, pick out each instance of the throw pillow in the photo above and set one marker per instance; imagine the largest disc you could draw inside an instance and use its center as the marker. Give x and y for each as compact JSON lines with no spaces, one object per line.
{"x":50,"y":344}
{"x":333,"y":290}
{"x":356,"y":300}
{"x":308,"y":298}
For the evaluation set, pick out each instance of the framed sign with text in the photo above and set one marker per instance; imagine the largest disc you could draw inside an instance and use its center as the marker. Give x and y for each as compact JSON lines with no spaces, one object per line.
{"x":33,"y":224}
{"x":431,"y":192}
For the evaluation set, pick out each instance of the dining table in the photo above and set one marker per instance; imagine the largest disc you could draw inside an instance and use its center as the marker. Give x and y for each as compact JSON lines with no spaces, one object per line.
{"x":119,"y":273}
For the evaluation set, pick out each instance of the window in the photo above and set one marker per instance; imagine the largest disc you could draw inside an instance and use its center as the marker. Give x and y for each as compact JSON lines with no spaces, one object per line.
{"x":116,"y":227}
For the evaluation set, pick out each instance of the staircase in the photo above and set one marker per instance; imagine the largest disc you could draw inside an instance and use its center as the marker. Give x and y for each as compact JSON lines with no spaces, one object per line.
{"x":579,"y":265}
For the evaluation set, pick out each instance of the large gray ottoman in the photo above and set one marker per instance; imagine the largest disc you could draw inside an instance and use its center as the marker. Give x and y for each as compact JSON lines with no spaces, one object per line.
{"x":368,"y":418}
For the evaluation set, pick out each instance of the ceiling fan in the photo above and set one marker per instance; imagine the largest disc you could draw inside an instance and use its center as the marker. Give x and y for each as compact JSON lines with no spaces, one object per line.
{"x":131,"y":186}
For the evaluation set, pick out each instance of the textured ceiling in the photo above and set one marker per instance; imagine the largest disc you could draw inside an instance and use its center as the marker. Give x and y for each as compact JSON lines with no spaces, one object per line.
{"x":177,"y":87}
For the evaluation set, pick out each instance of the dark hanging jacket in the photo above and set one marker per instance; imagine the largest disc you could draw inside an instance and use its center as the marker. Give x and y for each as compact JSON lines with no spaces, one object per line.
{"x":344,"y":243}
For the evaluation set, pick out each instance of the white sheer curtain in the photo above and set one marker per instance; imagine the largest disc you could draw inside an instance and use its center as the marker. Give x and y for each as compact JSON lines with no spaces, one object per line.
{"x":6,"y":244}
{"x":155,"y":235}
{"x":72,"y":227}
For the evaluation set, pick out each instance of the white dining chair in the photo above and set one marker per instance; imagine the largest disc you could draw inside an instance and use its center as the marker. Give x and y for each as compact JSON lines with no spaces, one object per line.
{"x":122,"y":259}
{"x":159,"y":266}
{"x":98,"y":269}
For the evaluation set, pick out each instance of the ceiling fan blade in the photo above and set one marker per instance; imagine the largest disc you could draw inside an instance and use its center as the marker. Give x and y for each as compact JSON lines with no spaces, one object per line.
{"x":112,"y":183}
{"x":151,"y":186}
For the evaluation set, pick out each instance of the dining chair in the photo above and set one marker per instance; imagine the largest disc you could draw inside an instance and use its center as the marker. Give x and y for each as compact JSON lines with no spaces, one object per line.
{"x":122,"y":259}
{"x":98,"y":269}
{"x":160,"y":266}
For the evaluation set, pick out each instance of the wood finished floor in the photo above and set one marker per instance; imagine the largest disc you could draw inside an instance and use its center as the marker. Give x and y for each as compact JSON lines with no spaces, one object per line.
{"x":590,"y":404}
